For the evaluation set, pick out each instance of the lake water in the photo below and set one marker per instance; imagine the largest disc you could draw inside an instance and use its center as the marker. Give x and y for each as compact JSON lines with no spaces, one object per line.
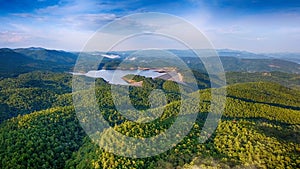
{"x":115,"y":76}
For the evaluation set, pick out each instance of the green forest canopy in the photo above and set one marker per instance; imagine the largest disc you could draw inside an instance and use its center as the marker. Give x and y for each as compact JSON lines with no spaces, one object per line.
{"x":259,"y":128}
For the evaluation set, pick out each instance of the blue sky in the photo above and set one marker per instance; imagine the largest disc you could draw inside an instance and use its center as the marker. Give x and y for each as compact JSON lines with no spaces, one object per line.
{"x":254,"y":25}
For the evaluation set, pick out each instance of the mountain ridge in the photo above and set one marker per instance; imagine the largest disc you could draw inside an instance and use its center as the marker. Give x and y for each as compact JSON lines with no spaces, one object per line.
{"x":22,"y":60}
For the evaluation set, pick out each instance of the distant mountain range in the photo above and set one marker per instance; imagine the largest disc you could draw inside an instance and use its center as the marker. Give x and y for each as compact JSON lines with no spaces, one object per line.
{"x":293,"y":57}
{"x":17,"y":61}
{"x":57,"y":56}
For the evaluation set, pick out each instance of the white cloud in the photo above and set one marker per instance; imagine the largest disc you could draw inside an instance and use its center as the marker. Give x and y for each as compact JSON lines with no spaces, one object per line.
{"x":29,"y":16}
{"x":12,"y":37}
{"x":87,"y":21}
{"x":50,"y":37}
{"x":66,"y":25}
{"x":68,"y":7}
{"x":70,"y":23}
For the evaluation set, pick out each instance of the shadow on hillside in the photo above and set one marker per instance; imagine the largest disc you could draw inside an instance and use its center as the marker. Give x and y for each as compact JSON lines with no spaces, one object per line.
{"x":271,"y":104}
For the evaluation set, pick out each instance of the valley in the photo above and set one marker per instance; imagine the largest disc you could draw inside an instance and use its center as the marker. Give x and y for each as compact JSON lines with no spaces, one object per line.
{"x":39,"y":127}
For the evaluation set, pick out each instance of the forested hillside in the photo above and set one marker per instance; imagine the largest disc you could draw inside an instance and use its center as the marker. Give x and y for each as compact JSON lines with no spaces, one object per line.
{"x":31,"y":92}
{"x":141,"y":84}
{"x":44,"y":139}
{"x":14,"y":62}
{"x":259,"y":128}
{"x":285,"y":79}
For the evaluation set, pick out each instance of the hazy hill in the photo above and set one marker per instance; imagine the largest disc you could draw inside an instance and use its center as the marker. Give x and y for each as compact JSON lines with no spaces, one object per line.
{"x":238,"y":61}
{"x":13,"y":63}
{"x":288,"y":56}
{"x":294,"y":57}
{"x":17,"y":61}
{"x":259,"y":65}
{"x":57,"y":56}
{"x":241,"y":54}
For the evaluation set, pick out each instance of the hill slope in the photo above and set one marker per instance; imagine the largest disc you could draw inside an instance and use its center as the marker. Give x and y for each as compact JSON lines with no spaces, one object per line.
{"x":253,"y":133}
{"x":13,"y":63}
{"x":56,"y":56}
{"x":44,"y":139}
{"x":30,"y":92}
{"x":17,"y":61}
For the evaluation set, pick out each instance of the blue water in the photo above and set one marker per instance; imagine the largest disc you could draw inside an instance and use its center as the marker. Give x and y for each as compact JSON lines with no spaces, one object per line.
{"x":115,"y":76}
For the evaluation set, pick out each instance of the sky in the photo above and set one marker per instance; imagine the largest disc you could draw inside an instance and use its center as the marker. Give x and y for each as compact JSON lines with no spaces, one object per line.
{"x":259,"y":26}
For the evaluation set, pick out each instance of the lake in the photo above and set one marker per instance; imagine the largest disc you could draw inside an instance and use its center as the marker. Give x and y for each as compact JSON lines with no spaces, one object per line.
{"x":115,"y":76}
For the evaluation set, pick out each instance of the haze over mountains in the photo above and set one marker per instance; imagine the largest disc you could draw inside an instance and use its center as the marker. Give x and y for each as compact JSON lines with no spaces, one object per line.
{"x":22,"y":60}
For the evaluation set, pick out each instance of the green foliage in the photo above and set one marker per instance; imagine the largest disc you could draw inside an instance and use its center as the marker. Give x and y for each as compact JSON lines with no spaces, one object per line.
{"x":53,"y":56}
{"x":285,"y":79}
{"x":39,"y":129}
{"x":44,"y":139}
{"x":259,"y":128}
{"x":170,"y":86}
{"x":241,"y":142}
{"x":266,"y":92}
{"x":56,"y":82}
{"x":33,"y":91}
{"x":23,"y":101}
{"x":251,"y":134}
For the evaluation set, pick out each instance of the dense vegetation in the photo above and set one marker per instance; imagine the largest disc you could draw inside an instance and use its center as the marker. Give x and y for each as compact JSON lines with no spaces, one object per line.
{"x":32,"y":92}
{"x":44,"y":139}
{"x":250,"y":135}
{"x":259,"y":128}
{"x":285,"y":79}
{"x":39,"y":128}
{"x":14,"y":62}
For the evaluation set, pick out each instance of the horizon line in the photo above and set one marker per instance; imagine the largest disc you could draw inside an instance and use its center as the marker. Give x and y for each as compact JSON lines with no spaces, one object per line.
{"x":217,"y":49}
